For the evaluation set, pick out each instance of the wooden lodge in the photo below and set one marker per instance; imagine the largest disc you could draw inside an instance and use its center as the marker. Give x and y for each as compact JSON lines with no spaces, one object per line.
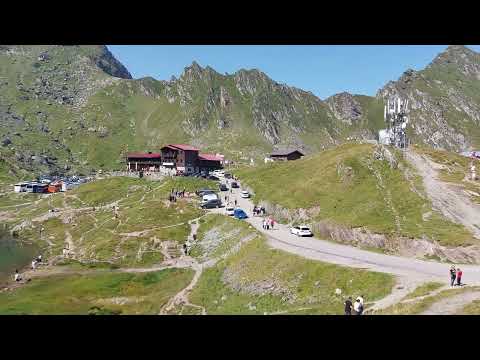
{"x":144,"y":161}
{"x":286,"y":155}
{"x":185,"y":159}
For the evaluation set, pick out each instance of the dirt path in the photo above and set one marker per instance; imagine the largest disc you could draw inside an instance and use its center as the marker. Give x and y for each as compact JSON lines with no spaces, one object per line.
{"x":452,"y":305}
{"x":447,"y":199}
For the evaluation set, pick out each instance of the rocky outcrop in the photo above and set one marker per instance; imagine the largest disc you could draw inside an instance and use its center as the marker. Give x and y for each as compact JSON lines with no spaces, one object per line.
{"x":345,"y":107}
{"x":108,"y":63}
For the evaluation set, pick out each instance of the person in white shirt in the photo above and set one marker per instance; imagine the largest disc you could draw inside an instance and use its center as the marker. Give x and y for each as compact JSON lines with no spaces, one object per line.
{"x":361,"y":299}
{"x":17,"y":276}
{"x":358,"y":307}
{"x":33,"y":264}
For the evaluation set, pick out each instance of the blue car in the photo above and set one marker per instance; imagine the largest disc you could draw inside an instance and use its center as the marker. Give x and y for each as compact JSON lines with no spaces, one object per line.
{"x":239,"y":214}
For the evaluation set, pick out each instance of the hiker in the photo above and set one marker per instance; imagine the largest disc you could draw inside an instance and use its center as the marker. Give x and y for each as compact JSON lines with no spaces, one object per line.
{"x":361,"y":301}
{"x":194,"y":237}
{"x":348,"y":306}
{"x":267,"y":225}
{"x":453,"y":275}
{"x":39,"y":258}
{"x":357,"y":307}
{"x":185,"y":249}
{"x":183,"y":192}
{"x":272,"y":222}
{"x":262,"y":209}
{"x":263,"y":224}
{"x":34,"y":263}
{"x":235,"y":202}
{"x":459,"y":277}
{"x":17,"y":276}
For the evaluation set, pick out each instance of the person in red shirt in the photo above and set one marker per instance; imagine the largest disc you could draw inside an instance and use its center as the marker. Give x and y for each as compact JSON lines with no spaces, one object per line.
{"x":459,"y":277}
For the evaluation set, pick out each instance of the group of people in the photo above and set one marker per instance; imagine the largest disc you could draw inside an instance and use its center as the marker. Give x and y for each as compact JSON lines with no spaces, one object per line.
{"x":267,"y":224}
{"x":354,"y":308}
{"x":37,"y":260}
{"x":258,"y":211}
{"x":455,"y":274}
{"x":174,"y":194}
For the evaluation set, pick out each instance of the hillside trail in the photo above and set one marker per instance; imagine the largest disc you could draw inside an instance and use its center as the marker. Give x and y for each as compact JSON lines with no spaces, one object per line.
{"x":409,"y":272}
{"x":447,"y":199}
{"x":181,"y":298}
{"x":453,"y":304}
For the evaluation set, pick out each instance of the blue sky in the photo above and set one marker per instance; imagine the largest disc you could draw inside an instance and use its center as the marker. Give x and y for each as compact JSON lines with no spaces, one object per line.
{"x":322,"y":69}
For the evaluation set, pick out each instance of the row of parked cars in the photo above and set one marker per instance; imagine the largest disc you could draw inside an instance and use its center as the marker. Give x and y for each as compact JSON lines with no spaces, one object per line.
{"x":45,"y":184}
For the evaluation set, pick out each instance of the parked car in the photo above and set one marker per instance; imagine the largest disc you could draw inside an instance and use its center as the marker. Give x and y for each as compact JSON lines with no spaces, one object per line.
{"x":301,"y":230}
{"x":234,"y":185}
{"x":210,"y":204}
{"x":230,"y":210}
{"x":227,"y":175}
{"x":211,"y":177}
{"x":239,"y":214}
{"x":223,"y":187}
{"x":204,"y":192}
{"x":208,"y":197}
{"x":245,"y":194}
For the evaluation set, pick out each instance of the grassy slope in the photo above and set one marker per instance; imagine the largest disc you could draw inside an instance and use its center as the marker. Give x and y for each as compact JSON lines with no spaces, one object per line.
{"x":312,"y":283}
{"x":77,"y":294}
{"x":99,"y":235}
{"x":424,"y":289}
{"x":417,"y":307}
{"x":351,"y":197}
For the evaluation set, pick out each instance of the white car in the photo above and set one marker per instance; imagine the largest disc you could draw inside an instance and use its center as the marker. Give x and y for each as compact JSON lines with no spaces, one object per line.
{"x":230,"y":210}
{"x":301,"y":230}
{"x":245,"y":194}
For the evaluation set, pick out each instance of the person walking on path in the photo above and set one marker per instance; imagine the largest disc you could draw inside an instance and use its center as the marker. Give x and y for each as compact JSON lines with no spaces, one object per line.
{"x":272,"y":222}
{"x":459,"y":277}
{"x":263,"y":224}
{"x":235,"y":202}
{"x":34,"y":263}
{"x":357,"y":307}
{"x":453,"y":275}
{"x":348,"y":306}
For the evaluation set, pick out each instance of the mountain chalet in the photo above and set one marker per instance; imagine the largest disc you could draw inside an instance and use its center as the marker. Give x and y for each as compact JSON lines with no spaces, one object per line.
{"x":183,"y":158}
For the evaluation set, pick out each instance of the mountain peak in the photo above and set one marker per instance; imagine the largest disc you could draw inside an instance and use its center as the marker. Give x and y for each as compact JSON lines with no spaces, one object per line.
{"x":105,"y":60}
{"x":458,"y":55}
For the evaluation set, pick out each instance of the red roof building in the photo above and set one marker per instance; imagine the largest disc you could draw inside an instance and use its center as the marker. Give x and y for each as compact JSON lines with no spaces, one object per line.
{"x":149,"y":155}
{"x":182,"y":157}
{"x":210,"y":157}
{"x":184,"y":147}
{"x":144,"y":161}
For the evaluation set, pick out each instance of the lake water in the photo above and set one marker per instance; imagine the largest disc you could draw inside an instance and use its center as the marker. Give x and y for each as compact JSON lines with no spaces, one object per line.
{"x":13,"y":255}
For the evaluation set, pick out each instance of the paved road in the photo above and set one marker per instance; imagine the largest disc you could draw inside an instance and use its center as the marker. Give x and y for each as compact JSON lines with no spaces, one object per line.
{"x":322,"y":250}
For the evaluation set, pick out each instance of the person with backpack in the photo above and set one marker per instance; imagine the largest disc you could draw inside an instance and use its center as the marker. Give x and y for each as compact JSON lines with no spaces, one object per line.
{"x":459,"y":277}
{"x":348,"y":306}
{"x":453,"y":275}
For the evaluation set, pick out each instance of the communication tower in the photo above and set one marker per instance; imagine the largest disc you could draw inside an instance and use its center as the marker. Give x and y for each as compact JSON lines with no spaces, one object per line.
{"x":395,"y":114}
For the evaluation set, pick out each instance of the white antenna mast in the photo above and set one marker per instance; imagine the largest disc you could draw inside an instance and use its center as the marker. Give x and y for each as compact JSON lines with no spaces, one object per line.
{"x":395,"y":114}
